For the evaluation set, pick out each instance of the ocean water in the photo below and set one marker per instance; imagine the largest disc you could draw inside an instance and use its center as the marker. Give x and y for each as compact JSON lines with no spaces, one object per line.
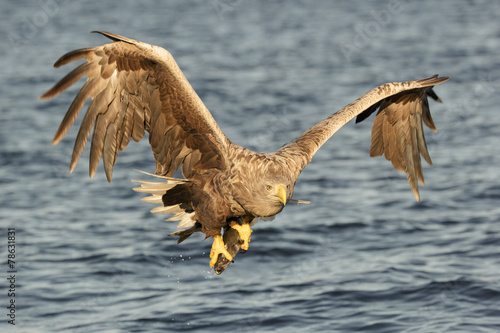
{"x":364,"y":256}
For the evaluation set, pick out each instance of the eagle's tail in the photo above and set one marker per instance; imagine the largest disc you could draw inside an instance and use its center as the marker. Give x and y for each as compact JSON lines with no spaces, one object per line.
{"x":173,"y":196}
{"x":184,"y":234}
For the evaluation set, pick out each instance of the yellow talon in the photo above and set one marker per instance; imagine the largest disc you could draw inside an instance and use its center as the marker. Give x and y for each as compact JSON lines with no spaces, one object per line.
{"x":244,"y":231}
{"x":218,"y":247}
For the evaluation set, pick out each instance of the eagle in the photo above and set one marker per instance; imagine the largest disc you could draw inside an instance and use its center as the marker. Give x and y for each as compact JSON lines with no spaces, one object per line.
{"x":136,"y":88}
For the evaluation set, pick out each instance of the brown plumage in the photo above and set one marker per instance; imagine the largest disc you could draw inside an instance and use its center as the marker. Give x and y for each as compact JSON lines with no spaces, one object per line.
{"x":135,"y":88}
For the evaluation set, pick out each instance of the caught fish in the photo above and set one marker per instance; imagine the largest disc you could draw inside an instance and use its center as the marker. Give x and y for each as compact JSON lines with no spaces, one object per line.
{"x":233,"y":243}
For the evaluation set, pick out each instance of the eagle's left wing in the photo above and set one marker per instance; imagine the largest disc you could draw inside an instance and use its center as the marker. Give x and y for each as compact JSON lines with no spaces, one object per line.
{"x":397,"y":131}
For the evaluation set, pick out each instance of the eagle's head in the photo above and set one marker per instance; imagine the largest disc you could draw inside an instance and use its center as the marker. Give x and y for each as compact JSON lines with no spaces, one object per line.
{"x":267,"y":195}
{"x":276,"y":191}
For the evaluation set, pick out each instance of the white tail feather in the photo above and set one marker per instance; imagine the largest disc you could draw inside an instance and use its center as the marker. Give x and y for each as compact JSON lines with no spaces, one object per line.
{"x":157,"y":190}
{"x":149,"y":190}
{"x":186,"y":221}
{"x":155,"y":185}
{"x":155,"y":199}
{"x":177,"y":216}
{"x":167,"y":210}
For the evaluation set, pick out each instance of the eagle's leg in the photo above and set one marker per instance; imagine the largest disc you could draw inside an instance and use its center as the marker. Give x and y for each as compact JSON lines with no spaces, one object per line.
{"x":244,"y":230}
{"x":218,"y":247}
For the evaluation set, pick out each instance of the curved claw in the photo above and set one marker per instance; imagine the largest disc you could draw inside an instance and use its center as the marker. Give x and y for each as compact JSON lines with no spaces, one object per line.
{"x":244,"y":231}
{"x":218,"y":247}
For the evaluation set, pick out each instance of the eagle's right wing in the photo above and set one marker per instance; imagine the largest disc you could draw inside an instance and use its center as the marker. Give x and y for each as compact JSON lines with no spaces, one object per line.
{"x":136,"y":87}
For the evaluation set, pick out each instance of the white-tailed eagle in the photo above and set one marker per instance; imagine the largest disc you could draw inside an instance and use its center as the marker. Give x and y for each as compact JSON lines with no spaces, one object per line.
{"x":135,"y":88}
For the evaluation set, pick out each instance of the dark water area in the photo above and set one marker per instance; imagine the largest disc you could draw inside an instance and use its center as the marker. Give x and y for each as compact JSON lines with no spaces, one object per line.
{"x":364,"y":256}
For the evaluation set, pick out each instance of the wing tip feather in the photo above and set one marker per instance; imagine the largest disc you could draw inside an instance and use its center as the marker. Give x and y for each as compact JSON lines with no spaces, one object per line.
{"x":59,"y":136}
{"x":47,"y":95}
{"x":73,"y":56}
{"x":114,"y":37}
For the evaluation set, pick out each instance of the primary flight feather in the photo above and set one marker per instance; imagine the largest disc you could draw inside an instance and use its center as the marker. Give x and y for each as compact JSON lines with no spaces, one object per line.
{"x":135,"y":88}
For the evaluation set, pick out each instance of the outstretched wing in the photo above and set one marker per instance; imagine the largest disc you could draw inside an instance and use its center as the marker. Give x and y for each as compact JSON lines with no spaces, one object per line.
{"x":136,"y":87}
{"x":397,"y":131}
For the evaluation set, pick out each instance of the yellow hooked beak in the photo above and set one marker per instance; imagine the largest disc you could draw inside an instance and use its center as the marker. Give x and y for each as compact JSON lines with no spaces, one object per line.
{"x":281,"y":194}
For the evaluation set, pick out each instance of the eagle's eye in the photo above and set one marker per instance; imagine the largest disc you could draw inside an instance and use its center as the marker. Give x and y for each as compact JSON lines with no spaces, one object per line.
{"x":269,"y":187}
{"x":288,"y":187}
